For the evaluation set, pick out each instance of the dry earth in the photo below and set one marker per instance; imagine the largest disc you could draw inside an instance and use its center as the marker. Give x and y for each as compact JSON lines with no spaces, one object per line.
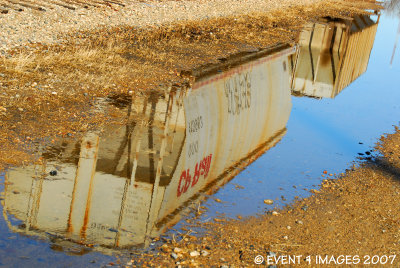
{"x":33,"y":26}
{"x":356,"y":215}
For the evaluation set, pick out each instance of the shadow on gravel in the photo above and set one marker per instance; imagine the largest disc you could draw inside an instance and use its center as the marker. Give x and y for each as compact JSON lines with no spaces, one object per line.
{"x":387,"y":168}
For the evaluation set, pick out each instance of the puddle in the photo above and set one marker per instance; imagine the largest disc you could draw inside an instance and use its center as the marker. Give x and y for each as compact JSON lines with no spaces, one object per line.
{"x":116,"y":189}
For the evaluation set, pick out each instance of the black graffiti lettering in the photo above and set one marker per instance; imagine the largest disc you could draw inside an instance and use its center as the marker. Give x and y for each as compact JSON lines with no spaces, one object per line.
{"x":193,"y":148}
{"x":238,"y":93}
{"x":195,"y":124}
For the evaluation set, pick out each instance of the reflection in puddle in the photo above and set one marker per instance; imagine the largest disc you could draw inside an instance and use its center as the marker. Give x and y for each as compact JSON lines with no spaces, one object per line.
{"x":118,"y":189}
{"x":125,"y":186}
{"x":332,"y":55}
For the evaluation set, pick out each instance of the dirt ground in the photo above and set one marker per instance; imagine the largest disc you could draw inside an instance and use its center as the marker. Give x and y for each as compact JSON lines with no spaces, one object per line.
{"x":351,"y":220}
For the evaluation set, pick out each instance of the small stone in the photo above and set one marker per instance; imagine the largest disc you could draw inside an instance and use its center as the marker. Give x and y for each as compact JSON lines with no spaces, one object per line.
{"x":20,"y":109}
{"x":271,"y":253}
{"x":165,"y":248}
{"x":222,"y":259}
{"x":218,"y":200}
{"x":325,"y":172}
{"x":53,"y":93}
{"x":53,"y":173}
{"x":34,"y":84}
{"x":268,"y":201}
{"x":305,"y":207}
{"x":286,"y":237}
{"x":174,"y":255}
{"x":113,"y":230}
{"x":15,"y":192}
{"x":299,"y":222}
{"x":275,"y":213}
{"x":204,"y":253}
{"x":224,"y":266}
{"x":288,"y":227}
{"x":194,"y":253}
{"x":177,"y":250}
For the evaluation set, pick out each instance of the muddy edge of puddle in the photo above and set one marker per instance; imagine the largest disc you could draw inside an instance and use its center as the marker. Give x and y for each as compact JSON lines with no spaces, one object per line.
{"x":54,"y":92}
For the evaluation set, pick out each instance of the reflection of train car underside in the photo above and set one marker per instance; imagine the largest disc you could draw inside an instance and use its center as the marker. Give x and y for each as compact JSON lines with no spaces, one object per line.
{"x":332,"y":55}
{"x":129,"y":184}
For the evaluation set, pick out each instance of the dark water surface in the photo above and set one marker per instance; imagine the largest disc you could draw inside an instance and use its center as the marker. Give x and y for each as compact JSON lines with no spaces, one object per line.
{"x":321,"y":134}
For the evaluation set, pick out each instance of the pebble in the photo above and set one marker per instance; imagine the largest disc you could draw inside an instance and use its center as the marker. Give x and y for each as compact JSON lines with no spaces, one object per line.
{"x":53,"y":173}
{"x":304,"y":208}
{"x":271,"y":253}
{"x":177,"y":250}
{"x":165,"y":248}
{"x":205,"y":253}
{"x":299,"y":222}
{"x":174,"y":255}
{"x":268,"y":201}
{"x":275,"y":213}
{"x":286,"y":237}
{"x":194,"y":253}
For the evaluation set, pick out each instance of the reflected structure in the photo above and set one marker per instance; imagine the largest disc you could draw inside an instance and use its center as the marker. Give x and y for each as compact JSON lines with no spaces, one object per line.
{"x":120,"y":188}
{"x":332,"y":54}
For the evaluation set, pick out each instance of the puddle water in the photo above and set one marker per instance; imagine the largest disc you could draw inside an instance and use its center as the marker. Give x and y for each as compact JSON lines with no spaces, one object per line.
{"x":115,"y":190}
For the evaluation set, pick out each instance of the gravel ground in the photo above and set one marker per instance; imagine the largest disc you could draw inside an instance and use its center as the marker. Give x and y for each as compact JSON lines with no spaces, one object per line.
{"x":30,"y":26}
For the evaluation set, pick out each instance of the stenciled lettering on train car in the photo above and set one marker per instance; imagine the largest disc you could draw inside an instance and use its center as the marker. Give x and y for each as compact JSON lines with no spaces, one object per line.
{"x":238,"y":93}
{"x":187,"y":180}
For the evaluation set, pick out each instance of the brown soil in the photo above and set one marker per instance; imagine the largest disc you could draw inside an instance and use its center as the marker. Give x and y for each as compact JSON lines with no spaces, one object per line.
{"x":49,"y":92}
{"x":356,"y":214}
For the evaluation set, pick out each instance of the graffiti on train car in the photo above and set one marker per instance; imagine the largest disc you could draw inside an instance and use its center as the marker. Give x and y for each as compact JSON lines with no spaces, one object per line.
{"x":195,"y":124}
{"x":187,"y":180}
{"x":238,"y":93}
{"x":193,"y":148}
